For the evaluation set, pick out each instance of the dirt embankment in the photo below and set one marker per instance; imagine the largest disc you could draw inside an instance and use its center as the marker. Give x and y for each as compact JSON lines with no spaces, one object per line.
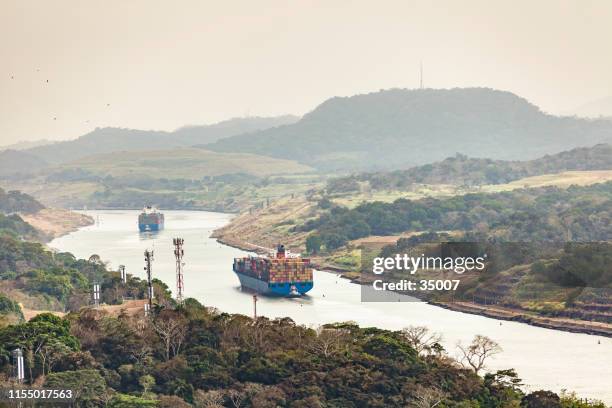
{"x":505,"y":313}
{"x":55,"y":222}
{"x":264,"y":228}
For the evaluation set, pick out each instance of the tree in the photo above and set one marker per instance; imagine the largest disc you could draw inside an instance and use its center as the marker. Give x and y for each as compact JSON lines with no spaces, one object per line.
{"x":421,"y":339}
{"x":327,"y":342}
{"x":541,"y":399}
{"x":313,"y":244}
{"x":269,"y":397}
{"x":333,"y":240}
{"x":130,"y":401}
{"x":236,"y":397}
{"x":34,"y":336}
{"x":87,"y":385}
{"x":172,"y":401}
{"x":146,"y":382}
{"x":208,"y":399}
{"x":51,"y":353}
{"x":478,"y":352}
{"x":427,"y":397}
{"x":171,"y":327}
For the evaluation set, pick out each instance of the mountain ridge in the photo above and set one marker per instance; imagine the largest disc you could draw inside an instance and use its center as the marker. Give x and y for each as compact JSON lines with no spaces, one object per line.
{"x":463,"y":170}
{"x":111,"y":139}
{"x":398,"y":128}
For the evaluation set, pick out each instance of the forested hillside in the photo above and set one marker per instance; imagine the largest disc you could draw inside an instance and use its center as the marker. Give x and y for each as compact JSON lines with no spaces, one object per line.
{"x":15,"y":201}
{"x":401,"y":128}
{"x":107,"y":140}
{"x":463,"y":170}
{"x":543,"y":214}
{"x":14,"y":162}
{"x":193,"y":355}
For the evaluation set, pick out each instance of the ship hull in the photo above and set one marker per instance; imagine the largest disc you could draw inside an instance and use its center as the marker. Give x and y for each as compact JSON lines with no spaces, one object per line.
{"x":273,"y":289}
{"x":150,"y":227}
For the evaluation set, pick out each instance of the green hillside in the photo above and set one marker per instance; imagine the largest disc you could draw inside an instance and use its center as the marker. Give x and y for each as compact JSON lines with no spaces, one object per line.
{"x":463,"y":170}
{"x":400,"y":128}
{"x":107,"y":140}
{"x":14,"y":162}
{"x":531,"y":215}
{"x":183,"y":163}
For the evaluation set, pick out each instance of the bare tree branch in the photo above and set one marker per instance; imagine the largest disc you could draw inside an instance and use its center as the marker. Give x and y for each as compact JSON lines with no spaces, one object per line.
{"x":478,"y":352}
{"x":421,"y":339}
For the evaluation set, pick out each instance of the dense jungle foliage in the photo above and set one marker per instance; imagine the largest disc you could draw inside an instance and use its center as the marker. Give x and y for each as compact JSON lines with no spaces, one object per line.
{"x":464,"y":170}
{"x":542,"y":214}
{"x":194,"y":356}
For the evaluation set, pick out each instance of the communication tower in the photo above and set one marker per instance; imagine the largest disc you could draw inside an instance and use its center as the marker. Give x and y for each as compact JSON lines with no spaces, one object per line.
{"x":123,"y":274}
{"x":96,"y":294}
{"x":148,"y":261}
{"x":178,"y":254}
{"x":18,"y":365}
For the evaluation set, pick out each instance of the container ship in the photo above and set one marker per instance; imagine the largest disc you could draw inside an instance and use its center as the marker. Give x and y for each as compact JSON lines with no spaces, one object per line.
{"x":282,"y":274}
{"x":150,"y":220}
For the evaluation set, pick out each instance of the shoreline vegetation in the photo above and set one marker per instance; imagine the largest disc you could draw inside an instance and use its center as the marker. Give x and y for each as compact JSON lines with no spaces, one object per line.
{"x":184,"y":355}
{"x":491,"y":311}
{"x":293,"y":221}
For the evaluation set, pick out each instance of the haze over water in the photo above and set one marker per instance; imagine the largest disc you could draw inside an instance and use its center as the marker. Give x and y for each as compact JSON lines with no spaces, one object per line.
{"x":540,"y":356}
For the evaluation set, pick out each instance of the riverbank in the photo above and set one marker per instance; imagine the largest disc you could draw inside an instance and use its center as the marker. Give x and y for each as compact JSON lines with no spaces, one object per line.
{"x":537,"y":354}
{"x":57,"y":222}
{"x":518,"y":315}
{"x":490,"y":311}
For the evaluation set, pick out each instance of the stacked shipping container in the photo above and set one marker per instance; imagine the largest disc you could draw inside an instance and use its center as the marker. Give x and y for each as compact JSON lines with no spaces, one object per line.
{"x":276,"y":273}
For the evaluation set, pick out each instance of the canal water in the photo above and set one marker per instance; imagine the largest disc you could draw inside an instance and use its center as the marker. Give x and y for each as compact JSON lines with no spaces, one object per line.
{"x":543,"y":358}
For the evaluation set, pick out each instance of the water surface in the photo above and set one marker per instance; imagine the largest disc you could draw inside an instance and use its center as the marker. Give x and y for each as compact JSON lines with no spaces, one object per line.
{"x":544,"y":358}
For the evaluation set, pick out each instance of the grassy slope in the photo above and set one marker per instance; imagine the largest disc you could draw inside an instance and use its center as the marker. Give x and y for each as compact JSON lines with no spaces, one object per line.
{"x":272,"y":224}
{"x":565,"y":179}
{"x":133,"y":172}
{"x":187,"y":163}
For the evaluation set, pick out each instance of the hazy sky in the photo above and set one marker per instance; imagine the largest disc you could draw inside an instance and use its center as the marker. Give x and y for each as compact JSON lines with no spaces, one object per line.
{"x":164,"y":64}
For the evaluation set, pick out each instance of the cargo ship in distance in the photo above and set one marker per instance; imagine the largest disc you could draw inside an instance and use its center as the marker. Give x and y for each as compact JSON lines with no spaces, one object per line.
{"x":150,"y":220}
{"x":282,"y":274}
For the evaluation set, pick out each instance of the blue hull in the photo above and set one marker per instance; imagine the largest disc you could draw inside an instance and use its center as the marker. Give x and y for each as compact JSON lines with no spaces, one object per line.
{"x":273,"y":289}
{"x":150,"y":227}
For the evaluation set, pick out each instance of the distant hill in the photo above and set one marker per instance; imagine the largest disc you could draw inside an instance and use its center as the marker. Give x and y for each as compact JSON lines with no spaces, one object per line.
{"x":19,"y":162}
{"x":601,"y":108}
{"x":180,"y":163}
{"x":463,"y":170}
{"x":26,"y":145}
{"x":400,"y":128}
{"x":108,"y":140}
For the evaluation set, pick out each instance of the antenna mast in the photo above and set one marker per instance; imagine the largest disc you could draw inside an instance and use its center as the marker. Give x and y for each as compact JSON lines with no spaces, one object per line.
{"x":122,"y":273}
{"x":178,"y":254}
{"x":148,"y":260}
{"x":421,"y":74}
